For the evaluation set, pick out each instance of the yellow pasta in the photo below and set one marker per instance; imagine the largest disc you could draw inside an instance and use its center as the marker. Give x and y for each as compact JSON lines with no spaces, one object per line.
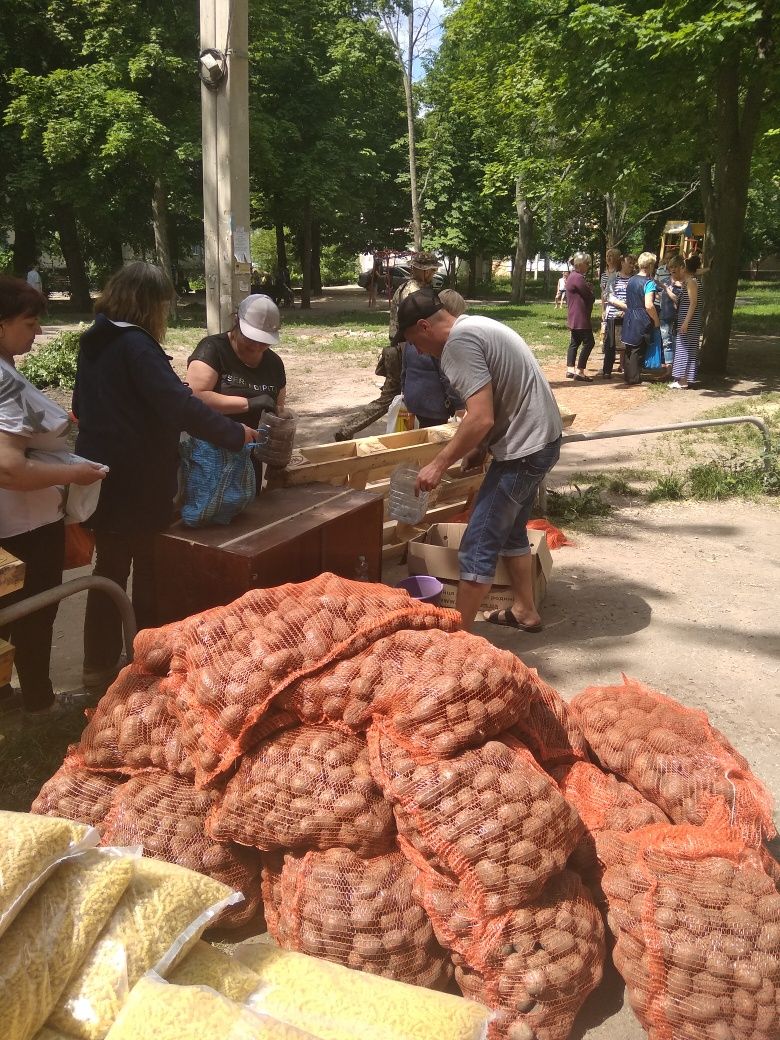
{"x":50,"y":937}
{"x":161,"y":902}
{"x":156,"y":1010}
{"x":339,"y":1004}
{"x":30,"y":846}
{"x":205,"y":965}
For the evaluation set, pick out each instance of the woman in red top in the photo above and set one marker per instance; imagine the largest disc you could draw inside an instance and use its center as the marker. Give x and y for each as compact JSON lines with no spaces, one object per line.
{"x":580,"y":297}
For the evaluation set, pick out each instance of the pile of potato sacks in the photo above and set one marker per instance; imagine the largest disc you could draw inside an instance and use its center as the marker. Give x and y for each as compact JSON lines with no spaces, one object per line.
{"x":400,"y":797}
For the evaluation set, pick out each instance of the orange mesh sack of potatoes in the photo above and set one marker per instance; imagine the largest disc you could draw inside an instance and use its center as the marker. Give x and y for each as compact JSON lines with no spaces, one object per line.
{"x":271,"y":889}
{"x":697,"y":922}
{"x":242,"y":656}
{"x":76,"y":793}
{"x":534,"y":966}
{"x":360,"y":913}
{"x":550,"y":730}
{"x":440,"y":690}
{"x":134,"y":727}
{"x":604,"y":804}
{"x":306,"y":788}
{"x":674,"y":757}
{"x":490,"y":817}
{"x":167,"y":816}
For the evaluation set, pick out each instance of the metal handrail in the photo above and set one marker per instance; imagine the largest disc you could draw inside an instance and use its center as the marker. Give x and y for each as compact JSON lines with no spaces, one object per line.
{"x":69,"y":588}
{"x":599,"y":435}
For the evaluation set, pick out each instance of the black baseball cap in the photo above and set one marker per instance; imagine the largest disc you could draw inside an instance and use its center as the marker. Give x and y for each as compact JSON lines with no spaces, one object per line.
{"x":420,"y":304}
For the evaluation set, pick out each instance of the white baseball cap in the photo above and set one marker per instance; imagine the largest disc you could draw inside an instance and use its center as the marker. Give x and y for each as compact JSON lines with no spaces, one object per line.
{"x":259,"y":319}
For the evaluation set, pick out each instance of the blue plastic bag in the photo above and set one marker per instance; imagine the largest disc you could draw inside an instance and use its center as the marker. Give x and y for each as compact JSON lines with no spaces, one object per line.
{"x":216,"y":484}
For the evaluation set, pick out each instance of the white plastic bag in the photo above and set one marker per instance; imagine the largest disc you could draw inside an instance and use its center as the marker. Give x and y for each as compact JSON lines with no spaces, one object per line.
{"x":80,"y":500}
{"x":399,"y":418}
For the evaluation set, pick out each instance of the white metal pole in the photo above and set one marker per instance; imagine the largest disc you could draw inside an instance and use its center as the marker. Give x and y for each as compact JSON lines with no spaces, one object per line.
{"x":224,"y":26}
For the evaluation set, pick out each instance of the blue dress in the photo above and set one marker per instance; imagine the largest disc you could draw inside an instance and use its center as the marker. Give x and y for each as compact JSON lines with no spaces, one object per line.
{"x":654,"y":355}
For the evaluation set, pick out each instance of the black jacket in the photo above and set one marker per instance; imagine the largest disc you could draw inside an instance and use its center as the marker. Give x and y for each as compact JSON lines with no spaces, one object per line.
{"x":131,"y":407}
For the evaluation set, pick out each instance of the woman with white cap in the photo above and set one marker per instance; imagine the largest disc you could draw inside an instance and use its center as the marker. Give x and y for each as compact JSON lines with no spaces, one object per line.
{"x":131,"y":408}
{"x":236,"y":373}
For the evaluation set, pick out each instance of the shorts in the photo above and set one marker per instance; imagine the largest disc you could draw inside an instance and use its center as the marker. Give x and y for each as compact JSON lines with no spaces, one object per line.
{"x":503,"y":505}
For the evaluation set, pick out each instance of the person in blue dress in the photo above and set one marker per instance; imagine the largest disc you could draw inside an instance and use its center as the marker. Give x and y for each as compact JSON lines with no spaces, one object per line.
{"x":641,"y":324}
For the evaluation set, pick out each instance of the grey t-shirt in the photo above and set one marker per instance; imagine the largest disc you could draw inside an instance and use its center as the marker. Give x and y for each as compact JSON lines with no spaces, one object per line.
{"x":481,"y":351}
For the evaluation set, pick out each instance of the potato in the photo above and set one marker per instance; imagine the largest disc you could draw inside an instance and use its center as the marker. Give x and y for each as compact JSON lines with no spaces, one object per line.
{"x":79,"y":794}
{"x":356,"y":912}
{"x":674,"y":757}
{"x":500,"y":862}
{"x":534,"y":966}
{"x":167,"y":816}
{"x":135,"y":726}
{"x":709,"y":975}
{"x":309,"y":787}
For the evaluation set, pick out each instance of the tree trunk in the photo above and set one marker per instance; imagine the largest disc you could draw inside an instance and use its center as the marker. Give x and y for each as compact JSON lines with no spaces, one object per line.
{"x":471,"y":285}
{"x":115,"y":252}
{"x":25,"y":248}
{"x":80,"y":300}
{"x":452,"y":270}
{"x":524,"y":228}
{"x":281,"y":245}
{"x":306,"y":257}
{"x":407,"y":77}
{"x":162,"y":246}
{"x":316,"y":258}
{"x":738,"y":109}
{"x":548,"y":238}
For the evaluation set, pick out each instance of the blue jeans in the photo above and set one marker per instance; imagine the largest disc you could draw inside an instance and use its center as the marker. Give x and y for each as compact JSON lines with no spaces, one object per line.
{"x":667,"y":340}
{"x":501,"y":512}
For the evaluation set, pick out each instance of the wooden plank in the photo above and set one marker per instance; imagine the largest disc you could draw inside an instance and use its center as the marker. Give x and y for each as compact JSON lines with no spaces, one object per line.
{"x":344,"y":468}
{"x":11,"y":573}
{"x":6,"y":662}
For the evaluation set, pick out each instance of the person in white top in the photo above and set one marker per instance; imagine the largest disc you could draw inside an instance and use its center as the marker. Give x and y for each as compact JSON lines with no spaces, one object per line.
{"x":31,"y":493}
{"x":34,"y":279}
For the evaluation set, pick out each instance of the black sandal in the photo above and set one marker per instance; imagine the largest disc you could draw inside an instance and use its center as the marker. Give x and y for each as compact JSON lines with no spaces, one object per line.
{"x":507,"y":619}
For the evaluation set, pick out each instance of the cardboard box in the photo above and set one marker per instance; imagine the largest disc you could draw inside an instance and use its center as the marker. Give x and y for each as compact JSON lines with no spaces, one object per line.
{"x":6,"y":662}
{"x":435,"y":552}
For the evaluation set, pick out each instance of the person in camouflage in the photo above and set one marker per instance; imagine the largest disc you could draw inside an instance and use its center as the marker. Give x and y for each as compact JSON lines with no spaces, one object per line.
{"x":424,"y":266}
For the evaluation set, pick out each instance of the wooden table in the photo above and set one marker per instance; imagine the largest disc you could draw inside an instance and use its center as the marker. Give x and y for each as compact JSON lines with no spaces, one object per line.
{"x":288,"y":534}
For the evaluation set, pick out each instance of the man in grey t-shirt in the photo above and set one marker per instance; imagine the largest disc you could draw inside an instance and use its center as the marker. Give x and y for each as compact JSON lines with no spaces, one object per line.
{"x":511,"y":412}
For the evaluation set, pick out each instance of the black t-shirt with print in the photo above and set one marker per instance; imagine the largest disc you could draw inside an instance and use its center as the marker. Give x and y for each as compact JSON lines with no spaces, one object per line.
{"x":236,"y":379}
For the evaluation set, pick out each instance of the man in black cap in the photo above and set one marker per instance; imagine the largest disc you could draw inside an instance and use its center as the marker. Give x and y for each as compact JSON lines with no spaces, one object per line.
{"x":510,"y":412}
{"x":424,"y":267}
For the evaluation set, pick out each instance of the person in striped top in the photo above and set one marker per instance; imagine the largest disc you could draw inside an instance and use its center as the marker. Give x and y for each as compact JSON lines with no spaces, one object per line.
{"x":686,"y":347}
{"x":613,"y":314}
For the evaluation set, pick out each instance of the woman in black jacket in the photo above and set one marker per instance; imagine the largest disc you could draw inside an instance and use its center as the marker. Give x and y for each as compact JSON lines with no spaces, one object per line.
{"x":131,"y":408}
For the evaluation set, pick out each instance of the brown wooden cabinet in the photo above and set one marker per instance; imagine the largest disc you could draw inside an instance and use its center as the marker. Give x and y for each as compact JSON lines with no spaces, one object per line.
{"x":288,"y":534}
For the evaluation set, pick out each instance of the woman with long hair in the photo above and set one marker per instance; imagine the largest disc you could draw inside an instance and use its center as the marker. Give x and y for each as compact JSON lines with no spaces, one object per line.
{"x":686,"y":347}
{"x":32,"y":525}
{"x":131,"y":408}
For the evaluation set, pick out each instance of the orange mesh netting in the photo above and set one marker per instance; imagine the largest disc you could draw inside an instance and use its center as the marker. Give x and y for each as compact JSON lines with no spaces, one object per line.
{"x":697,"y":921}
{"x":134,"y":727}
{"x":605,"y":805}
{"x":534,"y":966}
{"x":555,"y":536}
{"x":490,"y":817}
{"x":357,"y":912}
{"x":440,"y":691}
{"x":673,"y":756}
{"x":248,"y":652}
{"x":167,"y":816}
{"x":307,"y":788}
{"x":76,"y":793}
{"x":550,"y":731}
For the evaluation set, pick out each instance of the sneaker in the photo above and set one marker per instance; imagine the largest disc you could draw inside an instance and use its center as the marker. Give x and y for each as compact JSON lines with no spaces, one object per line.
{"x":675,"y":386}
{"x":98,"y":680}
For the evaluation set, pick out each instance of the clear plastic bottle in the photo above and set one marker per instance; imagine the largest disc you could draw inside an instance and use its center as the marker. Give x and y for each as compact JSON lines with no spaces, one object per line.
{"x":403,"y":504}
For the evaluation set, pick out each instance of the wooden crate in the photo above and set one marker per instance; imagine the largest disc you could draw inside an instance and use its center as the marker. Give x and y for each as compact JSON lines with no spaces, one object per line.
{"x":11,"y":573}
{"x":6,"y":662}
{"x":368,"y":462}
